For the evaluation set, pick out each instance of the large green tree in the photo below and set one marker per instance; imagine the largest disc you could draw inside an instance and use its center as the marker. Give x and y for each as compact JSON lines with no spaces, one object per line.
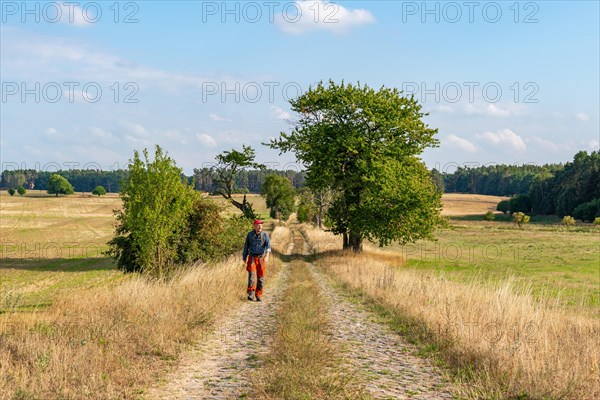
{"x":154,"y":217}
{"x":364,"y":145}
{"x":279,"y":195}
{"x":59,"y":185}
{"x":229,"y":165}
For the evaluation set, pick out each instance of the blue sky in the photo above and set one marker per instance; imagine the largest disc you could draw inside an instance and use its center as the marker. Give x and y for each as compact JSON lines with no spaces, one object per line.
{"x":86,"y":83}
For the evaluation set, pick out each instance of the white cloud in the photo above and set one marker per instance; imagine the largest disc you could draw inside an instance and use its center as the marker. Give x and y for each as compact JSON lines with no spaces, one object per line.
{"x":594,"y":144}
{"x":312,"y":15}
{"x":136,"y":128}
{"x":491,"y":110}
{"x":218,"y":118}
{"x":582,"y":116}
{"x":280,"y":113}
{"x":462,"y":143}
{"x":206,"y":139}
{"x":72,"y":14}
{"x":504,"y":137}
{"x":51,"y":132}
{"x":548,"y":145}
{"x":445,"y":109}
{"x":100,"y":133}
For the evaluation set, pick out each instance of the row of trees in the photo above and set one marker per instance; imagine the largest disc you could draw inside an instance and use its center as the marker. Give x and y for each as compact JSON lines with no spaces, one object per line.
{"x":245,"y":180}
{"x":82,"y":180}
{"x":573,"y":190}
{"x":495,"y":180}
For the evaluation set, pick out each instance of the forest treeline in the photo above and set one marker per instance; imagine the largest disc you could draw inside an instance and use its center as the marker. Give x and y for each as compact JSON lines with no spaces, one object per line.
{"x":549,"y":189}
{"x":86,"y":180}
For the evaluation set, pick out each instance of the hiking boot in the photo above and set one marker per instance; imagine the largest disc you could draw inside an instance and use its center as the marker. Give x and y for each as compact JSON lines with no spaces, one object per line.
{"x":258,"y":298}
{"x":250,"y":298}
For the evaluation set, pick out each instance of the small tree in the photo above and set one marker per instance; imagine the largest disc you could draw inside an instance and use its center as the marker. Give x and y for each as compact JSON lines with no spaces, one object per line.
{"x":21,"y":190}
{"x":59,"y":185}
{"x":99,"y":191}
{"x":489,"y":216}
{"x":279,"y":195}
{"x":11,"y":191}
{"x":307,"y":209}
{"x":597,"y":221}
{"x":503,"y":206}
{"x":568,"y":221}
{"x":154,"y":218}
{"x":520,"y":219}
{"x":229,"y":164}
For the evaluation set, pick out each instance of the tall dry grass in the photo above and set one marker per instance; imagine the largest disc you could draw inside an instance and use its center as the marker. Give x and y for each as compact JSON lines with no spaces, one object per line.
{"x":503,"y":342}
{"x":112,"y":342}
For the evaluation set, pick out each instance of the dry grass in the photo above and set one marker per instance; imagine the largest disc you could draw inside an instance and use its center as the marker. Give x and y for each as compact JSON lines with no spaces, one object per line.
{"x":469,"y":204}
{"x":502,"y":341}
{"x":113,"y":341}
{"x":110,"y":342}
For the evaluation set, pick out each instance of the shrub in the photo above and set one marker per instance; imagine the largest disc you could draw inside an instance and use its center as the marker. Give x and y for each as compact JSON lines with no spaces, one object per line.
{"x":597,"y":221}
{"x":99,"y":191}
{"x":568,"y":220}
{"x":520,"y":203}
{"x":489,"y":216}
{"x":503,"y":206}
{"x":587,"y":211}
{"x":21,"y":190}
{"x":520,"y":218}
{"x":11,"y":191}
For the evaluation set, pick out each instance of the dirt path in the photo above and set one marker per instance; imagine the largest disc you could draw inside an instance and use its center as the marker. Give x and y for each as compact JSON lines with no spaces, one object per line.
{"x":386,"y":362}
{"x":219,"y":366}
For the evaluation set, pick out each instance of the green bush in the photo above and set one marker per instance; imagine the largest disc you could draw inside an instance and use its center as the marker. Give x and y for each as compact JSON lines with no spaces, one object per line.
{"x":503,"y":206}
{"x":210,"y":237}
{"x":520,"y":203}
{"x":99,"y":191}
{"x":489,"y":216}
{"x":587,"y":211}
{"x":21,"y":190}
{"x":11,"y":191}
{"x":597,"y":221}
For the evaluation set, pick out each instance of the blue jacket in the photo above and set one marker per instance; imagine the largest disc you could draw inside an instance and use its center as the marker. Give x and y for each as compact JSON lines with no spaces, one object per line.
{"x":256,"y":245}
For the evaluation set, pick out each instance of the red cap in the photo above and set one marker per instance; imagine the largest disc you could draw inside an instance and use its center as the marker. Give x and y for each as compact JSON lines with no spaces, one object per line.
{"x":257,"y":222}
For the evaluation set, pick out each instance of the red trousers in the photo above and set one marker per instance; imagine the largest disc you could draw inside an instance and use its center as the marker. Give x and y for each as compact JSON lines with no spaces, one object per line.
{"x":256,"y":268}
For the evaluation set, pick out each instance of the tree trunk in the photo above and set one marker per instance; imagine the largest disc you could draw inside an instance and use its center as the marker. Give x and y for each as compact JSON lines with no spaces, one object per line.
{"x":346,"y":241}
{"x":356,"y":242}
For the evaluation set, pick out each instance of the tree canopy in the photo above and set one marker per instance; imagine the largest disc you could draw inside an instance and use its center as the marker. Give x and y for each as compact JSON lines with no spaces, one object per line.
{"x":279,"y":195}
{"x":363,"y":145}
{"x":59,"y":185}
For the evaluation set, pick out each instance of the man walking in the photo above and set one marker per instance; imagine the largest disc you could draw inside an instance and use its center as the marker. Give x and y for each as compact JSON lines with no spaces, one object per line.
{"x":256,"y":252}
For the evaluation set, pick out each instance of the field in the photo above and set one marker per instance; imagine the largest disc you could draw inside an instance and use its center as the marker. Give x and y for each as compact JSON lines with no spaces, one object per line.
{"x":556,"y":263}
{"x":57,"y":288}
{"x":50,"y":244}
